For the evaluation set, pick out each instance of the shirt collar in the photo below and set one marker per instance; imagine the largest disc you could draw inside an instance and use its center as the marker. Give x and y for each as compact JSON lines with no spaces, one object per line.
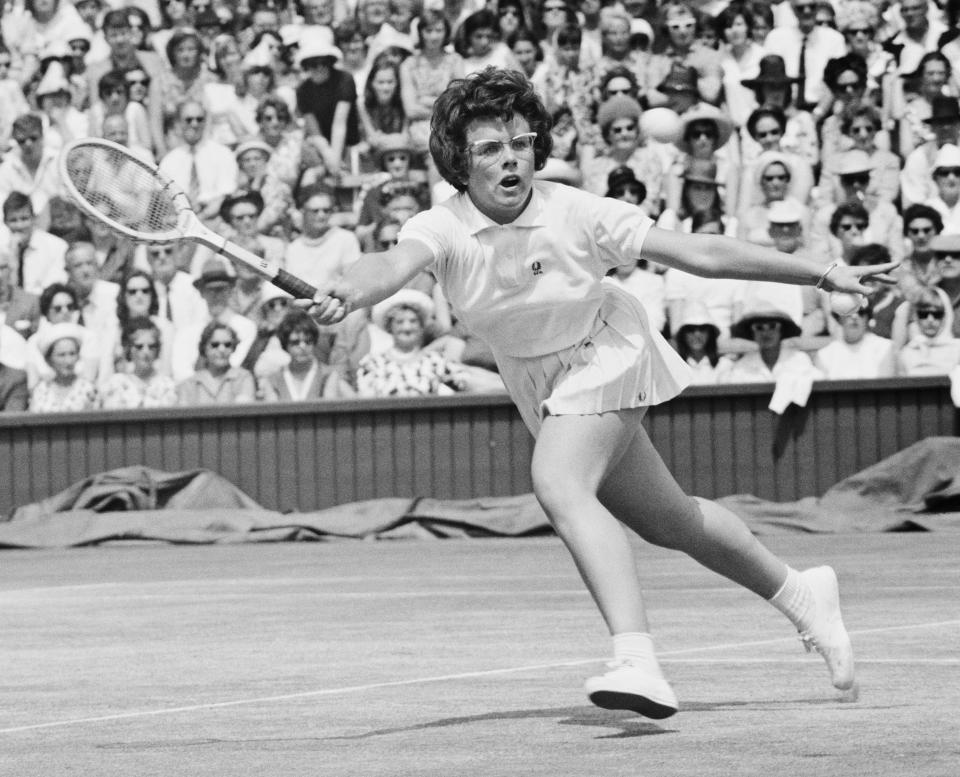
{"x":534,"y":215}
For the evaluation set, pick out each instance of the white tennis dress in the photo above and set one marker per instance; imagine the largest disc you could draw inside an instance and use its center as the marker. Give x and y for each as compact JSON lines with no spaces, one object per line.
{"x":565,"y":343}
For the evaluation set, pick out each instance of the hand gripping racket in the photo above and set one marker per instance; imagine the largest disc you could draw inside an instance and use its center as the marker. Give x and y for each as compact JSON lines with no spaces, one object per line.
{"x":136,"y":199}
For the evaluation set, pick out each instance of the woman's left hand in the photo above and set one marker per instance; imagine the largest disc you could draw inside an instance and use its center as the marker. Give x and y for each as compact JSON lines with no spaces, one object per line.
{"x":842,"y":277}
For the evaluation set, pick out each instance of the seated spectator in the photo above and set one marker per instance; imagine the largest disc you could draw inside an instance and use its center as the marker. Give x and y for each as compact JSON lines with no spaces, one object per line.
{"x":215,"y":381}
{"x":19,"y":309}
{"x":138,"y":382}
{"x":705,"y":132}
{"x":860,"y":126}
{"x":647,"y":286}
{"x":30,"y":166}
{"x":916,"y":178}
{"x":680,"y":26}
{"x":290,"y":155}
{"x":773,"y":176}
{"x":179,"y":300}
{"x":921,"y":224}
{"x":253,"y":160}
{"x":848,"y":224}
{"x":138,"y":300}
{"x":65,"y":391}
{"x":886,"y":301}
{"x":766,"y":127}
{"x":97,"y":298}
{"x":946,"y":254}
{"x":622,"y":184}
{"x":931,"y":76}
{"x":114,"y":93}
{"x":856,"y":352}
{"x":266,"y":355}
{"x":946,"y":178}
{"x":58,"y":305}
{"x":215,"y":284}
{"x":304,"y":377}
{"x":696,"y":340}
{"x":932,"y":349}
{"x":699,"y":195}
{"x":768,"y":324}
{"x":859,"y":21}
{"x":37,"y":256}
{"x":63,"y":121}
{"x":846,"y":79}
{"x":13,"y":380}
{"x":395,"y":159}
{"x":406,"y":368}
{"x":322,"y":251}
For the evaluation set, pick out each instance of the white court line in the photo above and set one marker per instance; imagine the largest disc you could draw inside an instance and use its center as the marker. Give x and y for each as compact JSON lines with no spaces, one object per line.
{"x":442,"y":678}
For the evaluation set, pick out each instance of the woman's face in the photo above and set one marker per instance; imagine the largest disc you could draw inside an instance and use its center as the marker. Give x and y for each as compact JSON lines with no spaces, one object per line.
{"x":144,"y":350}
{"x":696,"y":338}
{"x":624,"y":134}
{"x":481,"y":41}
{"x":760,"y":29}
{"x":920,"y":231}
{"x":554,"y":14}
{"x":229,"y":57}
{"x":273,"y":312}
{"x":63,"y":357}
{"x":407,"y":329}
{"x":526,"y":53}
{"x":849,"y":87}
{"x":774,"y":181}
{"x":253,"y":163}
{"x":863,"y":133}
{"x":397,"y":163}
{"x":616,"y":39}
{"x":62,"y":309}
{"x":219,"y":349}
{"x":432,"y":37}
{"x":499,"y":179}
{"x":618,"y":85}
{"x":138,"y":82}
{"x":509,"y":20}
{"x":934,"y":78}
{"x":854,"y":327}
{"x":300,"y":347}
{"x":929,"y":320}
{"x":766,"y":333}
{"x":44,"y":9}
{"x":850,"y":231}
{"x":775,"y":95}
{"x":947,"y":180}
{"x":271,"y":126}
{"x":384,"y":85}
{"x":138,"y":294}
{"x":176,"y":10}
{"x":768,"y":133}
{"x":187,"y":54}
{"x":737,"y":33}
{"x":702,"y":137}
{"x":682,"y":29}
{"x":859,"y":40}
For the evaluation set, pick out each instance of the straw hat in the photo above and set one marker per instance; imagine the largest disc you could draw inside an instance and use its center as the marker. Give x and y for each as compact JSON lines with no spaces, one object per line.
{"x":215,"y":271}
{"x":701,"y":171}
{"x":947,"y":156}
{"x":764,"y":310}
{"x":316,"y":44}
{"x":695,"y":314}
{"x":853,"y":162}
{"x":617,"y":107}
{"x":252,"y":145}
{"x":787,"y":211}
{"x":704,"y":112}
{"x":406,"y":297}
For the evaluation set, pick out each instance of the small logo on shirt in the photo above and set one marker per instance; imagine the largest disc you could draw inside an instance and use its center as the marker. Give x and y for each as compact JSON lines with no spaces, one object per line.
{"x":537,"y":268}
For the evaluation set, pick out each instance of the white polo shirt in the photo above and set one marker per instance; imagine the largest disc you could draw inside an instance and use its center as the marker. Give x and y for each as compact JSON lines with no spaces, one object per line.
{"x":533,"y":286}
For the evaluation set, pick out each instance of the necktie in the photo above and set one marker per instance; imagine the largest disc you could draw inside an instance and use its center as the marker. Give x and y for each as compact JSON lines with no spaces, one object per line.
{"x":166,"y":303}
{"x":802,"y":76}
{"x":21,"y":255}
{"x":193,"y":190}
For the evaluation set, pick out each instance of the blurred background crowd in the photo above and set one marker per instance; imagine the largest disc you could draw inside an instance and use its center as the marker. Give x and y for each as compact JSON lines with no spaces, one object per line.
{"x":299,"y":129}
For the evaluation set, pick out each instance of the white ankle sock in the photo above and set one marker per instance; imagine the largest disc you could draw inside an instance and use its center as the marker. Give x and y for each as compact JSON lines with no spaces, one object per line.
{"x":635,"y":646}
{"x":795,"y":600}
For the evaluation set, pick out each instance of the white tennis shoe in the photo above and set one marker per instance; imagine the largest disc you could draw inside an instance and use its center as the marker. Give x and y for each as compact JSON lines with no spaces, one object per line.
{"x":827,"y":635}
{"x":633,"y":686}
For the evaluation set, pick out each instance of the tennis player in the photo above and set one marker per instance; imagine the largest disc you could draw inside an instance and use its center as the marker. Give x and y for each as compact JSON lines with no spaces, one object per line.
{"x":521,"y":262}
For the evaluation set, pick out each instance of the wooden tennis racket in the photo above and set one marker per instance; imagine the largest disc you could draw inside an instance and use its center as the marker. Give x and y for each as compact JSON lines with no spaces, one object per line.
{"x":133,"y":197}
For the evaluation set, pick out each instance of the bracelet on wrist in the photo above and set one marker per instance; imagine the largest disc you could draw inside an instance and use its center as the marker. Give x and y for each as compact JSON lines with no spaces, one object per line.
{"x":823,"y":277}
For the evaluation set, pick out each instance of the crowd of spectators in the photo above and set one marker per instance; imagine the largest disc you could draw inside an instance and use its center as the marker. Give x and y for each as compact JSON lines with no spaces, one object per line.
{"x":299,"y":129}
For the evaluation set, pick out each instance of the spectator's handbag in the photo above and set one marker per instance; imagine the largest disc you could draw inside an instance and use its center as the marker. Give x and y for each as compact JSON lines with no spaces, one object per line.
{"x":133,"y":197}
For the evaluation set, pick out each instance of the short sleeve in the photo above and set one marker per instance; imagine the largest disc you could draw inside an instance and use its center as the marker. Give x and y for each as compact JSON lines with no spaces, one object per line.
{"x":435,"y":228}
{"x":621,"y":228}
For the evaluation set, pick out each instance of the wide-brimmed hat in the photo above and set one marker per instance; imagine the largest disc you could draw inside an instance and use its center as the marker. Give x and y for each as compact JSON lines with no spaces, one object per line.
{"x":316,"y":44}
{"x":695,"y":314}
{"x":252,"y":145}
{"x":247,"y":195}
{"x":705,"y":112}
{"x":406,"y":297}
{"x":681,"y":78}
{"x":620,"y":106}
{"x":764,"y":310}
{"x":701,"y":171}
{"x":395,"y":141}
{"x":853,"y":162}
{"x":945,"y":244}
{"x":50,"y":334}
{"x":215,"y":271}
{"x":944,"y":110}
{"x":787,"y":211}
{"x":773,"y":70}
{"x":54,"y":81}
{"x":947,"y":156}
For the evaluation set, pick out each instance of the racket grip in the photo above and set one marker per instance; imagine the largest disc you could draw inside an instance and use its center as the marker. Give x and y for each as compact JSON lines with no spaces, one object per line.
{"x":291,"y":284}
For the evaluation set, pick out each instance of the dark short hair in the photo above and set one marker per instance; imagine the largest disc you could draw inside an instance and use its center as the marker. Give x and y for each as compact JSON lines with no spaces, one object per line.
{"x":840,"y":65}
{"x":51,"y":291}
{"x":872,"y":253}
{"x":489,"y":94}
{"x":921,"y":211}
{"x":728,"y":16}
{"x":16,"y":201}
{"x":207,"y":335}
{"x":123,"y":310}
{"x":117,"y":19}
{"x":861,"y":111}
{"x":134,"y":325}
{"x":27,"y":122}
{"x":278,"y":104}
{"x":294,"y":322}
{"x":765,"y":113}
{"x":850,"y":209}
{"x":429,"y":18}
{"x":114,"y":79}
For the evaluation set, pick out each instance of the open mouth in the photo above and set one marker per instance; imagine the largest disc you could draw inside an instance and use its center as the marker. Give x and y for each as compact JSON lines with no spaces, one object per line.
{"x":510,"y":181}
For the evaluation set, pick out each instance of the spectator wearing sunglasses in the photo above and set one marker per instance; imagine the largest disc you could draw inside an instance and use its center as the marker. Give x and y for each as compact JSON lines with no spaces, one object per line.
{"x":764,"y":133}
{"x":932,"y":348}
{"x":740,"y":57}
{"x":921,"y":224}
{"x":946,"y":254}
{"x":856,"y":352}
{"x":916,"y":180}
{"x":139,"y":383}
{"x":680,"y":26}
{"x":216,"y":381}
{"x":774,"y":175}
{"x":946,"y":178}
{"x":859,"y":22}
{"x":916,"y":106}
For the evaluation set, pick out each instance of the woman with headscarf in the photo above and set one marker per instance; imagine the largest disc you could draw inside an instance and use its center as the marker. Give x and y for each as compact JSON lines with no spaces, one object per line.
{"x":773,"y":177}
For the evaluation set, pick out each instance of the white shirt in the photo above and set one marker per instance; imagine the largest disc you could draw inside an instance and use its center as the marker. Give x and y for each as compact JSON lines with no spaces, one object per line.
{"x":717,"y":294}
{"x":180,"y":301}
{"x":951,"y":216}
{"x":39,"y":187}
{"x":649,"y":288}
{"x":540,"y":274}
{"x":320,"y":260}
{"x":186,"y":343}
{"x":216,"y":170}
{"x":823,"y":44}
{"x":43,"y":260}
{"x":751,"y":368}
{"x":913,"y":50}
{"x":100,"y":308}
{"x":870,"y":358}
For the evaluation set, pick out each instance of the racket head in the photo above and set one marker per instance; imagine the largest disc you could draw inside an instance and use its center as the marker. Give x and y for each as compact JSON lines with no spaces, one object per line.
{"x":128,"y":194}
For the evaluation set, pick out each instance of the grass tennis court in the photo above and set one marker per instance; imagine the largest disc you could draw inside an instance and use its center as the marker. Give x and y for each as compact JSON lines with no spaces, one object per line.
{"x":460,"y":658}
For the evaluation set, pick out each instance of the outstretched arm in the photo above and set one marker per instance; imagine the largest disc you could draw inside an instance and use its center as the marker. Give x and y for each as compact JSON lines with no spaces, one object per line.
{"x":715,"y":256}
{"x":371,"y":278}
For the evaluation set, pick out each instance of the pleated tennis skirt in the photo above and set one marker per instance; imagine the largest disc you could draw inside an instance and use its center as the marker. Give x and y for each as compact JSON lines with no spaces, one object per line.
{"x":621,"y":364}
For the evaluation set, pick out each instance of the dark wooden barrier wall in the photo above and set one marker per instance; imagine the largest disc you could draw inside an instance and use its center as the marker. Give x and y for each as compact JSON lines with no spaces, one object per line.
{"x":718,"y":441}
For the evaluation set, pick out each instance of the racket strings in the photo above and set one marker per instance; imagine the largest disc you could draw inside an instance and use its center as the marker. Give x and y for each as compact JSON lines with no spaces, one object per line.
{"x":123,"y":189}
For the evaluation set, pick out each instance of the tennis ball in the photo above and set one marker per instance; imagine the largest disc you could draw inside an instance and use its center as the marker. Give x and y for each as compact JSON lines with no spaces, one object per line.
{"x":844,"y":304}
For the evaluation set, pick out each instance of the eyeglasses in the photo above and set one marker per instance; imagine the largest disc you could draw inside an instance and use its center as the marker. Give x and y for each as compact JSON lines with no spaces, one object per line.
{"x":554,"y":8}
{"x":21,"y":139}
{"x":805,"y":7}
{"x":764,"y":326}
{"x":145,"y":290}
{"x":243,"y":216}
{"x":944,"y":172}
{"x":773,"y":177}
{"x":138,"y":81}
{"x":158,"y":252}
{"x":847,"y":226}
{"x":145,"y":346}
{"x":68,"y":308}
{"x":300,"y":341}
{"x":701,"y":132}
{"x":623,"y":130}
{"x":947,"y":257}
{"x":920,"y":230}
{"x":857,"y":178}
{"x":930,"y":313}
{"x":849,"y":86}
{"x":276,"y":304}
{"x":194,"y":119}
{"x":396,"y":158}
{"x":681,"y":26}
{"x":490,"y":151}
{"x":774,"y":133}
{"x":859,"y":31}
{"x":221,"y":344}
